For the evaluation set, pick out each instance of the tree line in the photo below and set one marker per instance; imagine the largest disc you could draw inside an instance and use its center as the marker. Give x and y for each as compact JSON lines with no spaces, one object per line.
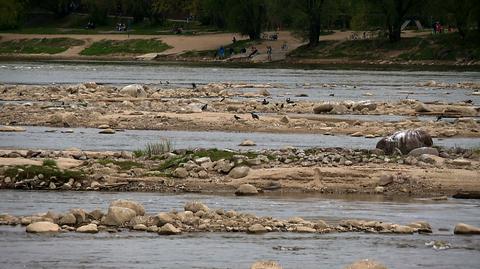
{"x":252,"y":17}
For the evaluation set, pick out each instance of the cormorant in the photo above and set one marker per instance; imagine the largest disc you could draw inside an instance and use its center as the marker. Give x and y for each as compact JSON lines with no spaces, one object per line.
{"x":194,"y":85}
{"x":265,"y":102}
{"x":290,"y":101}
{"x":236,"y":117}
{"x":255,"y":116}
{"x":204,"y":107}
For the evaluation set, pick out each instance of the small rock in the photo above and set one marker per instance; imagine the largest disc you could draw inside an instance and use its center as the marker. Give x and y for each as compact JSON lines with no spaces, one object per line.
{"x":52,"y":186}
{"x":135,"y":206}
{"x":195,"y":206}
{"x":462,"y":228}
{"x":247,"y":143}
{"x":141,"y":227}
{"x":199,"y":161}
{"x":424,"y":150}
{"x":68,"y":219}
{"x":385,"y":180}
{"x":379,"y":189}
{"x":461,"y":162}
{"x":246,"y":189}
{"x":285,"y":120}
{"x":366,"y":264}
{"x":266,"y":265}
{"x":180,"y":172}
{"x":168,"y":229}
{"x":107,"y":131}
{"x":90,"y":228}
{"x":305,"y":229}
{"x":43,"y":227}
{"x":256,"y":229}
{"x":9,"y":129}
{"x":239,"y":172}
{"x":422,"y":108}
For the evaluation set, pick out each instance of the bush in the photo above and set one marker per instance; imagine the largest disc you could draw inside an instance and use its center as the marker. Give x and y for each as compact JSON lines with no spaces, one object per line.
{"x":50,"y":163}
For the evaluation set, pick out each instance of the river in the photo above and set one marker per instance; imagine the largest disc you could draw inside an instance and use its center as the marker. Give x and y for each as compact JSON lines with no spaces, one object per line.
{"x":237,"y":250}
{"x":350,"y":84}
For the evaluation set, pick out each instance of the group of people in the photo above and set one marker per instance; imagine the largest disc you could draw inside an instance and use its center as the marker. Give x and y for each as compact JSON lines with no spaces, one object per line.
{"x":121,"y":27}
{"x":437,"y":28}
{"x":222,"y":52}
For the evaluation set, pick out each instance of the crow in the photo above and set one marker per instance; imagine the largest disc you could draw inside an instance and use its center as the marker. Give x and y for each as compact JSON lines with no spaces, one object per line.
{"x":290,"y":101}
{"x":223,"y":99}
{"x":236,"y":117}
{"x":265,"y":102}
{"x":331,"y":94}
{"x":204,"y":107}
{"x":255,"y":116}
{"x":282,"y":106}
{"x":194,"y":85}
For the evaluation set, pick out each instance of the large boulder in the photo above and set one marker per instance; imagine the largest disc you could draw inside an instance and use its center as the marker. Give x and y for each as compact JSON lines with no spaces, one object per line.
{"x":134,"y":90}
{"x":163,"y":218}
{"x":43,"y":227}
{"x":257,"y":229}
{"x":323,"y":108}
{"x":246,"y":189}
{"x":405,"y":141}
{"x":368,"y":105}
{"x":422,"y":108}
{"x":135,"y":206}
{"x":68,"y":219}
{"x":366,"y":264}
{"x":118,"y":216}
{"x":462,"y":228}
{"x":239,"y":172}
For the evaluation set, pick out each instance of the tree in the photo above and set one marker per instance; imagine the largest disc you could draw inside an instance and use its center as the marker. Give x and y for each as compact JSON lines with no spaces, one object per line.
{"x":11,"y":13}
{"x":98,"y":10}
{"x":60,"y":8}
{"x":464,"y":12}
{"x":214,"y":12}
{"x":248,"y":17}
{"x":310,"y":16}
{"x":394,"y":12}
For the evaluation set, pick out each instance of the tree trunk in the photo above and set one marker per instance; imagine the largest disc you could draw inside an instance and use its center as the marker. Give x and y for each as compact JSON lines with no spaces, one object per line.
{"x":395,"y":31}
{"x":314,"y":35}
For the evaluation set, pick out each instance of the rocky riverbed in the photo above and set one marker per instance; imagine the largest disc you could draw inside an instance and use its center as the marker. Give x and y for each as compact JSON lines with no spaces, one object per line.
{"x":197,"y":217}
{"x":224,"y":107}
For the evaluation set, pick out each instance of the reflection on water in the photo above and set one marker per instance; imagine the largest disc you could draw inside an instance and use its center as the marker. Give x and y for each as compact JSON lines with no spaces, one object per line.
{"x":238,"y":250}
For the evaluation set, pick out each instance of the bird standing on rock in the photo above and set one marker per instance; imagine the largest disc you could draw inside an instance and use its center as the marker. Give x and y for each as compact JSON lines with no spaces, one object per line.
{"x":194,"y":85}
{"x":204,"y":107}
{"x":290,"y":101}
{"x":265,"y":102}
{"x":237,"y":117}
{"x":255,"y":116}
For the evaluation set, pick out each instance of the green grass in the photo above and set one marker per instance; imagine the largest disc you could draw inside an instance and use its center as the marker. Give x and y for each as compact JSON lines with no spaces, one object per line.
{"x":49,"y":162}
{"x":153,"y":150}
{"x":133,"y":46}
{"x":438,"y":47}
{"x":30,"y":171}
{"x":39,"y":45}
{"x":124,"y":165}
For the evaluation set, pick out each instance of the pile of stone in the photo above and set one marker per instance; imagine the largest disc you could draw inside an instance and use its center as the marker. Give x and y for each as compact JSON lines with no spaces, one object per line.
{"x":197,"y":217}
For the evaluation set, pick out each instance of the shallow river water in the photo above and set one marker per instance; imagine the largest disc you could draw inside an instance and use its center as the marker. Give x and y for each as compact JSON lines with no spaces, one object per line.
{"x":90,"y":139}
{"x":238,"y":250}
{"x":350,"y":84}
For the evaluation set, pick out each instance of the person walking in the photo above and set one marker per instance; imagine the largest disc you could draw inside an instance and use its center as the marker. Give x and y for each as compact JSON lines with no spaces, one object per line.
{"x":269,"y":53}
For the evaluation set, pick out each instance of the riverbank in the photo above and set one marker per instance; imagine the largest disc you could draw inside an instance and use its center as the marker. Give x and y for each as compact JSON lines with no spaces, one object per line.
{"x":334,"y":171}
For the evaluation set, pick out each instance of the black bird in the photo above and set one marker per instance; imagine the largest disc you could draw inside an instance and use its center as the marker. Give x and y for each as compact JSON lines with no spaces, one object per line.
{"x":204,"y":107}
{"x":468,"y":102}
{"x":265,"y":102}
{"x":439,"y":118}
{"x":331,"y":94}
{"x":223,"y":99}
{"x":282,"y":106}
{"x":236,"y":117}
{"x":194,"y":85}
{"x":290,"y":101}
{"x":167,"y":82}
{"x":255,"y":116}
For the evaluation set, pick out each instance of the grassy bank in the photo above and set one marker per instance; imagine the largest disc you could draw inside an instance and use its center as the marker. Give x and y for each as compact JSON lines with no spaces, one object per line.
{"x":444,"y":47}
{"x":133,"y":46}
{"x":39,"y":45}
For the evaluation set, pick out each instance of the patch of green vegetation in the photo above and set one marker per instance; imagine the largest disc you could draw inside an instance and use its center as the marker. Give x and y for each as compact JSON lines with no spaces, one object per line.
{"x":21,"y":172}
{"x":49,"y":162}
{"x":436,"y":47}
{"x":154,"y":150}
{"x":124,"y":165}
{"x":39,"y":45}
{"x":133,"y":46}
